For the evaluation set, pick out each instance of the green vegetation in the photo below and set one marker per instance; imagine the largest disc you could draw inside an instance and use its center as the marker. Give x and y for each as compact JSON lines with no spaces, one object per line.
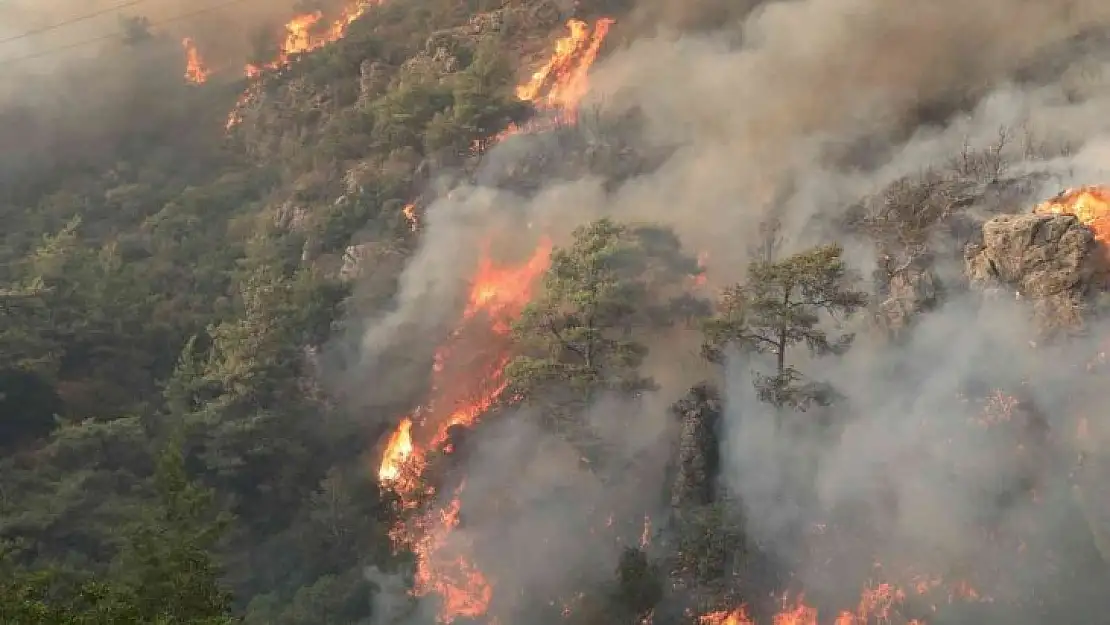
{"x":781,"y":305}
{"x":170,"y":453}
{"x":582,"y":336}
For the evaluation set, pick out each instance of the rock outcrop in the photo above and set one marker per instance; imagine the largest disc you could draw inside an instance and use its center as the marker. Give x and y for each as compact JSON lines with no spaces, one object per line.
{"x":1051,"y":260}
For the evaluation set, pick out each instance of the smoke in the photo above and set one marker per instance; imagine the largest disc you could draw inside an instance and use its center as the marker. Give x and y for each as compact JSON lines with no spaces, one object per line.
{"x":76,"y":89}
{"x":797,"y":110}
{"x":54,"y":33}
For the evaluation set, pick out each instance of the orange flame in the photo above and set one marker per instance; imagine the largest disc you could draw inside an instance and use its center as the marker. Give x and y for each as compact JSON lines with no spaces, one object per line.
{"x":299,"y":38}
{"x":738,"y":616}
{"x":467,"y":384}
{"x":559,"y":85}
{"x":398,"y":451}
{"x":467,"y":381}
{"x":564,"y":74}
{"x":195,"y":70}
{"x":409,"y":211}
{"x":303,"y":34}
{"x":1090,"y":204}
{"x":442,"y":567}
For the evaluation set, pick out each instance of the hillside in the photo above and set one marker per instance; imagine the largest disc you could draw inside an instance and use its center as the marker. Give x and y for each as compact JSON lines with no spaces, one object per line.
{"x":531,"y":311}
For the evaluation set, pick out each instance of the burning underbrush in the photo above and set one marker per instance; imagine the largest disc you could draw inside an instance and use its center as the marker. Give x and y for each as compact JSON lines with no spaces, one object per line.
{"x":859,"y":558}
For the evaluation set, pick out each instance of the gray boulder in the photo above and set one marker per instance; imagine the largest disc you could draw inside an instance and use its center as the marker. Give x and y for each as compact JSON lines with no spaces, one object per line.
{"x":1052,"y":260}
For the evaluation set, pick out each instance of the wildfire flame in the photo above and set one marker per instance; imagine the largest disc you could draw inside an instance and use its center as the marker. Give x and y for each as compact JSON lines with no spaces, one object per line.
{"x":442,"y":567}
{"x":558,"y":86}
{"x":564,"y":74}
{"x":738,"y":616}
{"x":304,"y":33}
{"x":467,"y":374}
{"x":1090,"y":204}
{"x":195,"y":70}
{"x":397,"y":452}
{"x":879,"y":604}
{"x":465,"y":385}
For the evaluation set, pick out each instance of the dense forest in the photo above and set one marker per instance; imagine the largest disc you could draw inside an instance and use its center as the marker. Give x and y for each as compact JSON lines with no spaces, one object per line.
{"x":511,"y":312}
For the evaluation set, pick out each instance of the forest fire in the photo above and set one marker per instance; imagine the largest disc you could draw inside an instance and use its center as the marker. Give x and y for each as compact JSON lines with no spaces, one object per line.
{"x":444,"y":568}
{"x":738,"y":616}
{"x":1090,"y":204}
{"x":877,"y":605}
{"x":304,"y":33}
{"x":195,"y":70}
{"x":466,"y":381}
{"x":467,"y":375}
{"x":560,"y":84}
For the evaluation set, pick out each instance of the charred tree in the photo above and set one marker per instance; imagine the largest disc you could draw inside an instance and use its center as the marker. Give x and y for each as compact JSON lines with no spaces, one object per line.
{"x":698,"y":454}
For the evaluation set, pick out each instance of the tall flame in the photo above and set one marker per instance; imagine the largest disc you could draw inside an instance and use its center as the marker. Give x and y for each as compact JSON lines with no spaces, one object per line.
{"x":467,"y":374}
{"x":467,"y":380}
{"x":443,"y":567}
{"x":195,"y":70}
{"x":739,"y":616}
{"x":564,"y":74}
{"x":398,"y":451}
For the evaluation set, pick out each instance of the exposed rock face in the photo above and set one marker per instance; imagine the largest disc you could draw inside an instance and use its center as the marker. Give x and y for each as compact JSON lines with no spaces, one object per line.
{"x":373,"y":77}
{"x":355,"y":259}
{"x":697,"y":462}
{"x":1050,"y":259}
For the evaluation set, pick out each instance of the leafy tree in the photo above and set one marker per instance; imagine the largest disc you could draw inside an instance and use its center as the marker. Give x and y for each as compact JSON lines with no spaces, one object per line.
{"x":781,"y":305}
{"x":484,"y":104}
{"x":164,"y":576}
{"x":582,"y":336}
{"x":167,"y":563}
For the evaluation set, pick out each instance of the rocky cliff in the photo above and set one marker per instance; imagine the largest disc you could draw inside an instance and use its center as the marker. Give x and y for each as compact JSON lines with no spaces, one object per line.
{"x":1050,"y":260}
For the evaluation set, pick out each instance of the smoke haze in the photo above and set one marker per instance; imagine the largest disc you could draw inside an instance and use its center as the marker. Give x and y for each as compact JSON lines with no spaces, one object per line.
{"x":798,"y":110}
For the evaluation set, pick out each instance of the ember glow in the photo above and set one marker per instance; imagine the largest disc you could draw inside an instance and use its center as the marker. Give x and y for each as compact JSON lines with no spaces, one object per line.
{"x":398,"y":451}
{"x":1090,"y":204}
{"x":195,"y":70}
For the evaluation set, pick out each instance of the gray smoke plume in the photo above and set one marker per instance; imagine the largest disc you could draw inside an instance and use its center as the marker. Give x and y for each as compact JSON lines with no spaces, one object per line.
{"x":798,"y":110}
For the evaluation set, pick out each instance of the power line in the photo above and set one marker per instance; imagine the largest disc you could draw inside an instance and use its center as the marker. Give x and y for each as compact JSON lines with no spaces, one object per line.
{"x":86,"y":42}
{"x":72,"y":20}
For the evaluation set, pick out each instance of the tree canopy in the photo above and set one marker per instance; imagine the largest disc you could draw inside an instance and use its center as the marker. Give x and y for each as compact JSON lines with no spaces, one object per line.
{"x":784,"y":304}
